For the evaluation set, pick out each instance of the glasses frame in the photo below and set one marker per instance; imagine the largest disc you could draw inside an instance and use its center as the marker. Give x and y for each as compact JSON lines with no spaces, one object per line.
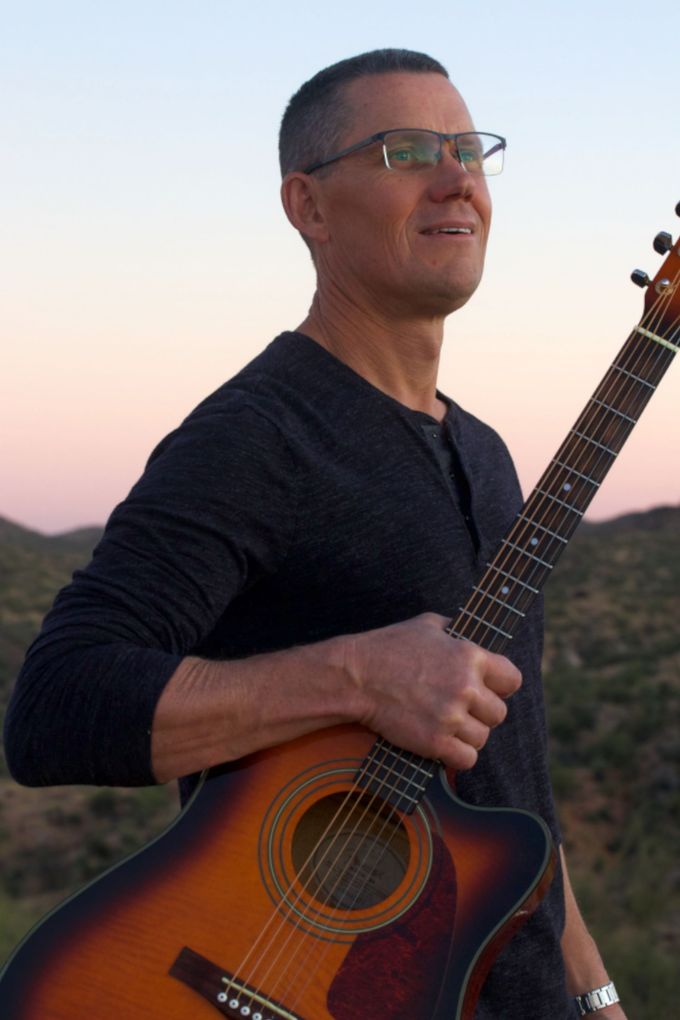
{"x":380,"y":137}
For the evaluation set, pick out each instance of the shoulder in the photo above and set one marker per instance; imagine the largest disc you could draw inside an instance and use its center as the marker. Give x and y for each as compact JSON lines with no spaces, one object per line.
{"x":249,"y":411}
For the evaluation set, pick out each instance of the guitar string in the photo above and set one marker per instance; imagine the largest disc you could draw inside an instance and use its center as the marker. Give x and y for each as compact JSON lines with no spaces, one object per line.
{"x":618,"y":397}
{"x":320,"y":953}
{"x":593,"y":462}
{"x":292,"y":905}
{"x":593,"y":423}
{"x":390,"y":750}
{"x":521,"y":532}
{"x":285,"y":899}
{"x":338,"y":879}
{"x":608,"y":388}
{"x":609,"y":385}
{"x":606,"y":382}
{"x":368,"y":834}
{"x":390,"y":813}
{"x":375,"y":839}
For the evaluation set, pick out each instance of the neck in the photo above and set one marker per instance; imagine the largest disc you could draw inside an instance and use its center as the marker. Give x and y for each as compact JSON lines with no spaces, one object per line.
{"x":399,"y":358}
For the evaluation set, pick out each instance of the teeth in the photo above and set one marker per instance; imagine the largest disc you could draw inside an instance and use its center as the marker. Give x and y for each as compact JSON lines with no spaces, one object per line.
{"x":454,"y":230}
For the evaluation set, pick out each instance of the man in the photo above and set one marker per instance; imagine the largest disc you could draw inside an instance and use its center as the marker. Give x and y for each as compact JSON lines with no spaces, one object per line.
{"x":293,"y":551}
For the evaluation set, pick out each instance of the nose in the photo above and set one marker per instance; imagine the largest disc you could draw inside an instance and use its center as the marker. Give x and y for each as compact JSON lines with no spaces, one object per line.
{"x":450,"y":177}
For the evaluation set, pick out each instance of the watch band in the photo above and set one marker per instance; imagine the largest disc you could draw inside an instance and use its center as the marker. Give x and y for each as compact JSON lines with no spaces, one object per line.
{"x":599,"y":998}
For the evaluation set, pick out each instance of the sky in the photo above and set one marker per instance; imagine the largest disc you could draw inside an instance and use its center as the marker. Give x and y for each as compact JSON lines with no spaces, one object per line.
{"x":144,"y":257}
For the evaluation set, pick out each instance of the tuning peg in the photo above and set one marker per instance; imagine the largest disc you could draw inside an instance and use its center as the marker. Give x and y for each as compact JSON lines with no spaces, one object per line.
{"x":663,"y":242}
{"x":677,"y":209}
{"x":640,"y":278}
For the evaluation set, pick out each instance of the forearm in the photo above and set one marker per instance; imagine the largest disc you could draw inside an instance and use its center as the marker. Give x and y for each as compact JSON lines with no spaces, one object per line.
{"x":584,"y":967}
{"x":216,"y":711}
{"x":409,"y":682}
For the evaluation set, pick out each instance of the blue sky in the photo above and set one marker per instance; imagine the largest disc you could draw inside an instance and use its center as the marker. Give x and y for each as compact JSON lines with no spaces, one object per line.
{"x":145,"y":257}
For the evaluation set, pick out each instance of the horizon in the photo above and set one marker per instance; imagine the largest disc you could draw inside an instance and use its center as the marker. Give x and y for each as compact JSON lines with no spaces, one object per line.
{"x":99,"y":526}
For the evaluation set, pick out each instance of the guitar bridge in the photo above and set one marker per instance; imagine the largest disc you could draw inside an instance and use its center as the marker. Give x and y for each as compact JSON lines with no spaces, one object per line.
{"x":229,"y":996}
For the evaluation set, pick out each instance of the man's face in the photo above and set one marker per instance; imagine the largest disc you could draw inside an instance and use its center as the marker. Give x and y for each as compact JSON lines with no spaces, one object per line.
{"x":382,"y":247}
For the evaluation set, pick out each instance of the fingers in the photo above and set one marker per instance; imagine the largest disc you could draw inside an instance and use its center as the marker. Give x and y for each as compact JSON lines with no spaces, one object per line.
{"x":487,"y":707}
{"x":459,"y":755}
{"x":498,"y":673}
{"x":501,"y":675}
{"x":430,"y":693}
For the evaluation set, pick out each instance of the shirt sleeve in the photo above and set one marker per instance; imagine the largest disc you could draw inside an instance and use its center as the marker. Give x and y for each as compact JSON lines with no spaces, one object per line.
{"x":213,"y":512}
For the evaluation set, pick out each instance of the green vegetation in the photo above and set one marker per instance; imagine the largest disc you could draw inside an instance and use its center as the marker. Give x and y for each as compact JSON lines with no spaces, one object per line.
{"x":612,"y":674}
{"x":613,"y":692}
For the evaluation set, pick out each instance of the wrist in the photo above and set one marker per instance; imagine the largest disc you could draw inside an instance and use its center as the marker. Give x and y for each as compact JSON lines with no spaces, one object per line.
{"x":596,"y":999}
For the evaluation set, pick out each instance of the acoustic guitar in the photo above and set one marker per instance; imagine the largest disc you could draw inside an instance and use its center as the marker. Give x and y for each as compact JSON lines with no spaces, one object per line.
{"x":339,"y":877}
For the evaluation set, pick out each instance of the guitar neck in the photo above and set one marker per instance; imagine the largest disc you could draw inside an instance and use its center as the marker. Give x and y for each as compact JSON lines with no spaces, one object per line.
{"x":526,"y":556}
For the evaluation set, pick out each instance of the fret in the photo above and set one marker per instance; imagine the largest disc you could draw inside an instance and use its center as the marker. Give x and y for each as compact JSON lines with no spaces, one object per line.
{"x":586,"y":478}
{"x":400,"y":757}
{"x":553,"y":534}
{"x":397,"y":779}
{"x":631,"y":375}
{"x":525,"y":552}
{"x":377,"y":785}
{"x":608,"y":428}
{"x":555,"y":499}
{"x":655,"y":360}
{"x":620,"y":391}
{"x":485,"y":623}
{"x":398,"y":786}
{"x":500,"y":602}
{"x":620,"y":414}
{"x":511,"y":577}
{"x":587,"y":439}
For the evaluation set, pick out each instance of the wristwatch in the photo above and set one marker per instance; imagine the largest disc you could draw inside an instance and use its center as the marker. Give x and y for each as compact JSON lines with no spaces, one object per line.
{"x":599,"y":998}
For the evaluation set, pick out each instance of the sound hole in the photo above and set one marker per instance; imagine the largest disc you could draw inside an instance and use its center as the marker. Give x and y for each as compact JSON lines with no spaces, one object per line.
{"x":350,"y":851}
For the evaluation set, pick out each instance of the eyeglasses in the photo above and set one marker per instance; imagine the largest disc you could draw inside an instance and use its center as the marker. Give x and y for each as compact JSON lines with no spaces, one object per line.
{"x":413,"y":149}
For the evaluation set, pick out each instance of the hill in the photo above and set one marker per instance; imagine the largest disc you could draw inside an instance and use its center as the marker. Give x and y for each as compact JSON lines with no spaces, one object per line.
{"x":612,"y":673}
{"x":32,"y":568}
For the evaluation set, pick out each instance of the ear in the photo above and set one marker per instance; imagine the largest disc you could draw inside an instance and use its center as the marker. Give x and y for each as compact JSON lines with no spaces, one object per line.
{"x":301,"y":197}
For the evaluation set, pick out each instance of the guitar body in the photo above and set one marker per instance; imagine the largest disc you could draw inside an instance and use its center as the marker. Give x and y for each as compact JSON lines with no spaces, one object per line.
{"x":283,"y":891}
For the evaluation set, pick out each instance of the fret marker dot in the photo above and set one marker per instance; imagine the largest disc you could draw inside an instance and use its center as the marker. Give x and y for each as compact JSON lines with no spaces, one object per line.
{"x":505,"y":590}
{"x":566,"y":487}
{"x":534,"y":541}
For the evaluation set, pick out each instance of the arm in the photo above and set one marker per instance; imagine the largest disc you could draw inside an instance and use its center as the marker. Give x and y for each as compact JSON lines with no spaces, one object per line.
{"x":583,"y":963}
{"x":410,"y":682}
{"x":113,"y":690}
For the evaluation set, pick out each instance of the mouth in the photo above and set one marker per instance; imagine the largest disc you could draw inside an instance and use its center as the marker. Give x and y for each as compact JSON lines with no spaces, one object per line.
{"x":447,"y":230}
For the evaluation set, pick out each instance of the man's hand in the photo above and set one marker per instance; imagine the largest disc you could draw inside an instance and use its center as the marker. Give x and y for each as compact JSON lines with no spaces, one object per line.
{"x":429,"y":693}
{"x":411,"y":683}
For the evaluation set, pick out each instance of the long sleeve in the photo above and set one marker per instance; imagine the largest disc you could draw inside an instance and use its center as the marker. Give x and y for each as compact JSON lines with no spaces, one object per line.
{"x":213,"y":512}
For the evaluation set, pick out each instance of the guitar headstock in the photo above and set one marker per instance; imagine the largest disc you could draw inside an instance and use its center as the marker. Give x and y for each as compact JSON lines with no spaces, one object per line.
{"x":662,"y":298}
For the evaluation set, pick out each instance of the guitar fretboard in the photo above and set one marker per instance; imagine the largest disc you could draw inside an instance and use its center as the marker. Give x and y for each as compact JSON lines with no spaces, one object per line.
{"x":506,"y":590}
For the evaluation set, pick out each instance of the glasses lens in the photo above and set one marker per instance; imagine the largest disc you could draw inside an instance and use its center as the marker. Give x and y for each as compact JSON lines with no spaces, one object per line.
{"x":480,"y":153}
{"x":410,"y":150}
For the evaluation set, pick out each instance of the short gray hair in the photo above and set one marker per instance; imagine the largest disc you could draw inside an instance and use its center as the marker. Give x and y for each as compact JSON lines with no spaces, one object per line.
{"x":317,"y":116}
